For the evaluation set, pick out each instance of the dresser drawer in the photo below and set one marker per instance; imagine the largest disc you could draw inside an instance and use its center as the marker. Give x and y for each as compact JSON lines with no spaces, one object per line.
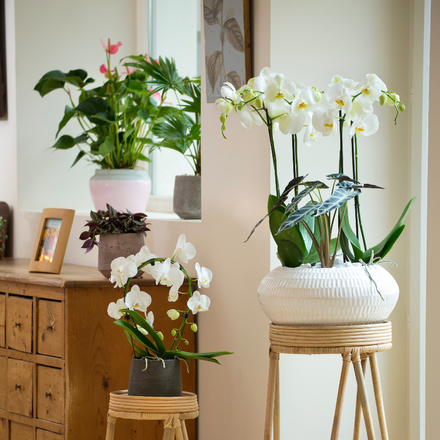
{"x":19,"y":323}
{"x":50,"y":394}
{"x":3,"y":383}
{"x":46,"y":435}
{"x":21,"y":432}
{"x":20,"y":387}
{"x":50,"y":328}
{"x":2,"y":320}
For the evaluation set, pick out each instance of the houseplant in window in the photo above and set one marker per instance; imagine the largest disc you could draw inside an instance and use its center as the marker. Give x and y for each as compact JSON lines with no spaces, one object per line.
{"x":155,"y":369}
{"x":120,"y":234}
{"x":116,"y":120}
{"x":306,"y":248}
{"x":179,"y":130}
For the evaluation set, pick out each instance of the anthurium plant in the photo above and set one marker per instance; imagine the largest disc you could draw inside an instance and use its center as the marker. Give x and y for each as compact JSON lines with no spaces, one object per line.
{"x":147,"y":342}
{"x":304,"y":234}
{"x":117,"y":118}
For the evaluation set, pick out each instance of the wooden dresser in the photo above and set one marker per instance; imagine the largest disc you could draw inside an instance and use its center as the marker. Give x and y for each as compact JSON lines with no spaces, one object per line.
{"x":61,"y":354}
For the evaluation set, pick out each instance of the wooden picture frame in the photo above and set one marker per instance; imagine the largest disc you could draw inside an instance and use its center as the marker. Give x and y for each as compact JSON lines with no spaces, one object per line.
{"x":51,"y":242}
{"x":3,"y":106}
{"x":227,"y":44}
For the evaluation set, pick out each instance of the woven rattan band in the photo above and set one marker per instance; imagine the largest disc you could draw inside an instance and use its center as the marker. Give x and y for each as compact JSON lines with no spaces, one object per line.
{"x":121,"y":401}
{"x":330,"y":339}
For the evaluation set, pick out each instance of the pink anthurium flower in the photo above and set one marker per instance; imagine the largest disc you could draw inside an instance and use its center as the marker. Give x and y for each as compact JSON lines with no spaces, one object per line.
{"x":111,"y":48}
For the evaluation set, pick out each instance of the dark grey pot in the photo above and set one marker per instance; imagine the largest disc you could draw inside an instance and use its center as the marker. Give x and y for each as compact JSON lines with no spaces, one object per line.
{"x":155,"y":381}
{"x":187,"y":201}
{"x":112,"y":246}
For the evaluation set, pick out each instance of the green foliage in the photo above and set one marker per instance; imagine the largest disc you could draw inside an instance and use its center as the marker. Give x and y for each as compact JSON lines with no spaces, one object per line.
{"x":3,"y":235}
{"x":119,"y":117}
{"x":112,"y":222}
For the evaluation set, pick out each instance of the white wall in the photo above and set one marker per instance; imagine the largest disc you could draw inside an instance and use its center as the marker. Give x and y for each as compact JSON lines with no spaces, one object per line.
{"x":311,"y":42}
{"x":234,"y":192}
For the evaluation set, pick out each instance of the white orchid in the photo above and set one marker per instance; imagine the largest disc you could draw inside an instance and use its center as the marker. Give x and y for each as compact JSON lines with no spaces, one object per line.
{"x":310,"y":135}
{"x":173,"y":314}
{"x":114,"y":309}
{"x":339,"y":97}
{"x":249,"y":118}
{"x":325,"y":121}
{"x":173,"y":295}
{"x":372,"y":87}
{"x":290,"y":122}
{"x":365,"y":126}
{"x":168,"y":274}
{"x":150,"y":318}
{"x":142,"y":256}
{"x":279,"y":88}
{"x":224,"y":106}
{"x":122,"y":269}
{"x":228,"y":91}
{"x":136,"y":299}
{"x":185,"y":251}
{"x":198,"y":303}
{"x":204,"y":276}
{"x":260,"y":83}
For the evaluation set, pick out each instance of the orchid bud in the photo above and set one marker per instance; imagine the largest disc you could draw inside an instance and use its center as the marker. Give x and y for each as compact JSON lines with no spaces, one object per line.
{"x":173,"y":332}
{"x":173,"y":314}
{"x":194,"y":327}
{"x":249,"y":97}
{"x":185,"y":342}
{"x":259,"y":102}
{"x":223,"y":118}
{"x":160,"y":334}
{"x":401,"y":107}
{"x":250,"y":83}
{"x":383,"y":99}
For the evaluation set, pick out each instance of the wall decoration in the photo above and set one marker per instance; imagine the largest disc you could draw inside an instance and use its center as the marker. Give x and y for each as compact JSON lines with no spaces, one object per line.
{"x":227,"y":44}
{"x":51,"y":242}
{"x":2,"y":59}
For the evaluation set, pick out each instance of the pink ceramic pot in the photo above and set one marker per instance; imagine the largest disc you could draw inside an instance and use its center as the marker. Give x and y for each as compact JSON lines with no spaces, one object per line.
{"x":122,"y":189}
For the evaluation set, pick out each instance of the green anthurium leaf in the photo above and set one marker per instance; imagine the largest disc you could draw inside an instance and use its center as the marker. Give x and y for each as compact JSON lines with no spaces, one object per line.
{"x":346,"y":228}
{"x":92,"y":106}
{"x":345,"y":246}
{"x":68,"y":115}
{"x":80,"y":155}
{"x":289,"y":254}
{"x":296,"y":216}
{"x":103,"y":118}
{"x":379,"y":247}
{"x":137,"y":335}
{"x":64,"y":143}
{"x":337,"y":199}
{"x":107,"y":147}
{"x":341,"y":177}
{"x":81,"y":139}
{"x":315,"y":183}
{"x":144,"y":115}
{"x":137,"y":318}
{"x":310,"y":221}
{"x":304,"y":193}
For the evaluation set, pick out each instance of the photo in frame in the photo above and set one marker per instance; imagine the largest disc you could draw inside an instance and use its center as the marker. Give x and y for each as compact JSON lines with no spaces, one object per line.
{"x":227,"y":44}
{"x":51,"y":242}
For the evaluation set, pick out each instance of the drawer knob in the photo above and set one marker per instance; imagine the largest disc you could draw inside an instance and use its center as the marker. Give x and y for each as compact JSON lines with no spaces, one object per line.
{"x":49,"y":394}
{"x":50,"y":327}
{"x":17,"y":387}
{"x":17,"y":324}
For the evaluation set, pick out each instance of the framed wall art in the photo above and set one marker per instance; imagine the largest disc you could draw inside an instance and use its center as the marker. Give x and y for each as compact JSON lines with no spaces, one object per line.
{"x":227,"y":44}
{"x":51,"y":242}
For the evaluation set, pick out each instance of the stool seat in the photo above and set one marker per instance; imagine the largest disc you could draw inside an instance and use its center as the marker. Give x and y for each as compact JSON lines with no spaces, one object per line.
{"x":356,"y":344}
{"x":173,"y":411}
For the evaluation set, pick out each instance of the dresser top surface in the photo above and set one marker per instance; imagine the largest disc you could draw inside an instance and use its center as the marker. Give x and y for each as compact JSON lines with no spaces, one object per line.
{"x":71,"y":276}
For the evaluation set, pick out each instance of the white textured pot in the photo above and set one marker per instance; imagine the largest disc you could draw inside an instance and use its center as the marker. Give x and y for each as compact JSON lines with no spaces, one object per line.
{"x":341,"y":295}
{"x":124,"y":189}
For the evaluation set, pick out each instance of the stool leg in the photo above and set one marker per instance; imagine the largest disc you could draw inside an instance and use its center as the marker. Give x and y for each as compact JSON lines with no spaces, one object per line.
{"x":346,"y":358}
{"x":363,"y":395}
{"x":110,"y":434}
{"x":184,"y":431}
{"x":378,"y":395}
{"x":271,"y":385}
{"x":168,"y":428}
{"x":358,"y":413}
{"x":276,"y":410}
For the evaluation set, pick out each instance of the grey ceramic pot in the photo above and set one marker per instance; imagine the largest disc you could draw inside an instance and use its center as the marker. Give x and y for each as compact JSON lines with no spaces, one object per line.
{"x":156,"y":380}
{"x":187,"y":197}
{"x":112,"y":246}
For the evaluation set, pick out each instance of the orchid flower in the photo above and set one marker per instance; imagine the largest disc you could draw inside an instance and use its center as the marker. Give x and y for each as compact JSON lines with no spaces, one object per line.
{"x":122,"y":269}
{"x":173,"y":314}
{"x":228,"y":91}
{"x":372,"y":87}
{"x":339,"y":97}
{"x":249,"y":118}
{"x":198,"y":303}
{"x":114,"y":309}
{"x":173,"y":295}
{"x":143,"y":255}
{"x":324,"y":121}
{"x":167,"y":274}
{"x":185,"y":251}
{"x":365,"y":125}
{"x":204,"y":276}
{"x":310,"y":135}
{"x":136,"y":299}
{"x":224,"y":106}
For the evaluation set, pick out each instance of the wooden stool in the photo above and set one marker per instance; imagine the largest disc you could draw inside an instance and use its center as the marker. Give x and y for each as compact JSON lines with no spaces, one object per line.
{"x":173,"y":411}
{"x":356,"y":344}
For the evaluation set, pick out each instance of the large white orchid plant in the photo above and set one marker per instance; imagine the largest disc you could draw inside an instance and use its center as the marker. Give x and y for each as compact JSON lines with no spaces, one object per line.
{"x":147,"y":342}
{"x":304,"y":234}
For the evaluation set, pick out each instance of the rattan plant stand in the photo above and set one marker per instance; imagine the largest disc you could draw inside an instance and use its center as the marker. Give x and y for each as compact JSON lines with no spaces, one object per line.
{"x":356,"y":343}
{"x":173,"y":411}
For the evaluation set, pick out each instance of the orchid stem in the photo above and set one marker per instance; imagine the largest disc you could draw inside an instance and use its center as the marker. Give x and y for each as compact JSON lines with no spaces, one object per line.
{"x":272,"y":148}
